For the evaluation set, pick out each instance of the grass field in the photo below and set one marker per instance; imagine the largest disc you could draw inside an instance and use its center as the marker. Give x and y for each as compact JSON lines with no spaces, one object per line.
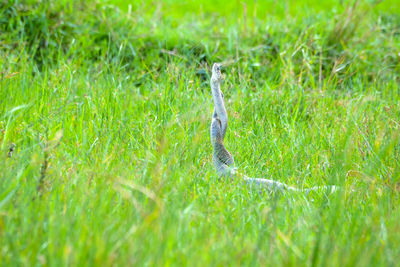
{"x":108,"y":104}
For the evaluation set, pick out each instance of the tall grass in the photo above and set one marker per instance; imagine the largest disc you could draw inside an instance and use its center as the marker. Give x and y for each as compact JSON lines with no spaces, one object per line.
{"x":104,"y":117}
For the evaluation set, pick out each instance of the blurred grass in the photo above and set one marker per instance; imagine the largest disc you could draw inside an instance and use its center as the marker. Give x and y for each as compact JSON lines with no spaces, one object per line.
{"x":108,"y":104}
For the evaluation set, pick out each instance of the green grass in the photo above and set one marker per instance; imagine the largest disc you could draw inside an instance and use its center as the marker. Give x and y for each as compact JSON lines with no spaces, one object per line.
{"x":109,"y":107}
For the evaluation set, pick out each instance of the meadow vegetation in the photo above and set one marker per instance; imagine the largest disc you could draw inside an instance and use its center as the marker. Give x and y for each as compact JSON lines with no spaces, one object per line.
{"x":108,"y":105}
